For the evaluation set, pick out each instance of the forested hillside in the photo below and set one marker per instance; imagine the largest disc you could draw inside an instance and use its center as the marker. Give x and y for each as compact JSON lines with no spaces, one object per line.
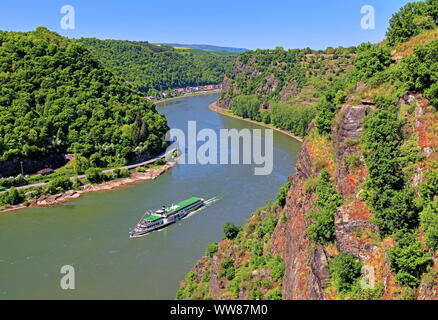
{"x":152,"y":68}
{"x":56,"y":97}
{"x":359,"y":219}
{"x":281,"y":87}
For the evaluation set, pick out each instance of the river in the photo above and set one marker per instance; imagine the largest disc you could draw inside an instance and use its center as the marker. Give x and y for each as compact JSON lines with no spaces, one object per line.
{"x":91,"y":233}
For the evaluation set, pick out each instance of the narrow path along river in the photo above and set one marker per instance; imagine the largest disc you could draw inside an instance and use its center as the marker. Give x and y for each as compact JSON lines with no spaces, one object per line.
{"x":91,"y":233}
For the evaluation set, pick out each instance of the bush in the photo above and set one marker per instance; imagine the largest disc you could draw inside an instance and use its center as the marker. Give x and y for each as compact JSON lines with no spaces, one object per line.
{"x":429,"y":221}
{"x":59,"y":185}
{"x":322,"y":229}
{"x":160,"y":162}
{"x":429,"y":187}
{"x":408,"y":260}
{"x":231,"y":230}
{"x":211,"y":250}
{"x":352,"y":162}
{"x":268,"y":225}
{"x":227,"y":268}
{"x":274,"y":294}
{"x":282,"y":194}
{"x":12,"y":197}
{"x":345,"y":269}
{"x":418,"y":71}
{"x":411,"y":20}
{"x":325,"y":112}
{"x":121,"y":173}
{"x":95,"y":175}
{"x":17,"y":181}
{"x":370,"y":60}
{"x":310,"y":184}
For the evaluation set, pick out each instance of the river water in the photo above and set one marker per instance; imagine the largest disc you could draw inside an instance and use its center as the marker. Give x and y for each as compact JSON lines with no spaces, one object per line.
{"x":91,"y":233}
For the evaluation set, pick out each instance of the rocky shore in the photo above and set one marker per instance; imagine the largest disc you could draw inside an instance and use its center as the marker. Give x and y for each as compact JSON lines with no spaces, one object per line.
{"x":49,"y":200}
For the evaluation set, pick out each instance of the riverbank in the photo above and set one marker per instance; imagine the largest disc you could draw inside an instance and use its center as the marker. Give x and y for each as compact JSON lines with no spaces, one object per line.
{"x":214,"y":107}
{"x":192,"y":94}
{"x":50,"y":200}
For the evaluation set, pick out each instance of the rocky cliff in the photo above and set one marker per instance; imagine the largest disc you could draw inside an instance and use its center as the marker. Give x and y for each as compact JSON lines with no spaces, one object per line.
{"x":306,"y":274}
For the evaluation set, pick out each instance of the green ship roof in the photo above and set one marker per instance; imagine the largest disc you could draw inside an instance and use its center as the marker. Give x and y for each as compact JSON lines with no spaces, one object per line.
{"x":152,"y":218}
{"x":184,"y":204}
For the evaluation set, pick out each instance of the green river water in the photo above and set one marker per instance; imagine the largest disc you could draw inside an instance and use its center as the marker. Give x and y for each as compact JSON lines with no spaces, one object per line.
{"x":91,"y":233}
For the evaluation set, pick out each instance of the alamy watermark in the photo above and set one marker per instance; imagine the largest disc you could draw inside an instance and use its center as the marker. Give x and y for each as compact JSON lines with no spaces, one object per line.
{"x":68,"y":281}
{"x":68,"y":20}
{"x":368,"y":21}
{"x":225,"y":148}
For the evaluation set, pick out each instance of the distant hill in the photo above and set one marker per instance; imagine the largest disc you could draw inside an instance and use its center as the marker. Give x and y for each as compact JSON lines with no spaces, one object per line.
{"x":152,"y":68}
{"x":205,"y":47}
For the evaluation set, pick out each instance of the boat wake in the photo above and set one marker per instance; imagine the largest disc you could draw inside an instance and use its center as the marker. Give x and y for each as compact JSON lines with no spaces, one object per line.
{"x":207,"y":203}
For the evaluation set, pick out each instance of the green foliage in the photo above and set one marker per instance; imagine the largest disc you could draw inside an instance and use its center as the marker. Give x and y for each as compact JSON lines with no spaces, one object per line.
{"x":429,"y":221}
{"x":326,"y":110}
{"x":387,"y":193}
{"x":295,"y":119}
{"x":13,"y":181}
{"x":95,"y":176}
{"x":59,"y":185}
{"x":274,"y":294}
{"x":211,"y":250}
{"x":255,"y":294}
{"x":408,"y":260}
{"x":267,"y":226}
{"x":345,"y":269}
{"x":150,"y":68}
{"x":429,"y":187}
{"x":322,"y":228}
{"x":276,"y":264}
{"x":352,"y":162}
{"x":310,"y":184}
{"x":359,"y":293}
{"x":12,"y":197}
{"x":57,"y":98}
{"x":370,"y":60}
{"x":418,"y":72}
{"x":282,"y":194}
{"x":121,"y":173}
{"x":228,"y":269}
{"x":231,"y":230}
{"x":411,"y":20}
{"x":247,"y":107}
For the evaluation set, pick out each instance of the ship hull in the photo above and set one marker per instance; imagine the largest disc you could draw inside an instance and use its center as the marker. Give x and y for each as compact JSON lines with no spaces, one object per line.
{"x":169,"y":220}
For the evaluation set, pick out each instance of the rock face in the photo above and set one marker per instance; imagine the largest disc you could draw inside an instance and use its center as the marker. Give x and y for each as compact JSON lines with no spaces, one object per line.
{"x":305,"y":271}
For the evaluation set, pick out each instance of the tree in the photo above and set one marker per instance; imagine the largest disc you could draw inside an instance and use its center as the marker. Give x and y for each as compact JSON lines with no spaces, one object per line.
{"x":322,"y":229}
{"x":247,"y":107}
{"x":408,"y":260}
{"x":13,"y":197}
{"x":231,"y":230}
{"x":94,"y":175}
{"x":370,"y":60}
{"x":344,"y":269}
{"x":59,"y":185}
{"x":211,"y":250}
{"x":411,"y":20}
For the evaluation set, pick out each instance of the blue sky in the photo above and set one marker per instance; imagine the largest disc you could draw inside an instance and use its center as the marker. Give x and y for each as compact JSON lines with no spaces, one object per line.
{"x":236,"y":23}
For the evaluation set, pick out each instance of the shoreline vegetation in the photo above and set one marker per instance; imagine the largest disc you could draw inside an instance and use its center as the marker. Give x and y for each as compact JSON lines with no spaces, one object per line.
{"x":214,"y":107}
{"x":50,"y":200}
